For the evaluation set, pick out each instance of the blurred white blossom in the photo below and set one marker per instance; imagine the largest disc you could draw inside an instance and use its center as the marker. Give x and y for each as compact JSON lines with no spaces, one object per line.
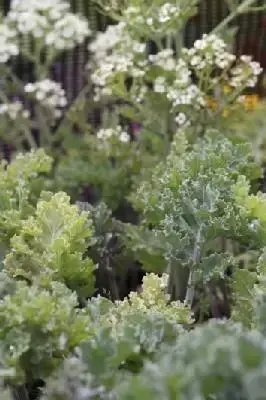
{"x":117,"y":132}
{"x":106,"y":41}
{"x":245,"y":73}
{"x":14,"y":110}
{"x":160,"y":85}
{"x":164,"y":59}
{"x":8,"y":45}
{"x":167,"y":12}
{"x":48,"y":20}
{"x":209,"y":52}
{"x":181,"y":119}
{"x":49,"y":94}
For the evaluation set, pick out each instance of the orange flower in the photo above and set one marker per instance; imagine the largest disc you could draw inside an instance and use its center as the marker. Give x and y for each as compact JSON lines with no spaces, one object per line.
{"x":212,"y":103}
{"x":251,"y":101}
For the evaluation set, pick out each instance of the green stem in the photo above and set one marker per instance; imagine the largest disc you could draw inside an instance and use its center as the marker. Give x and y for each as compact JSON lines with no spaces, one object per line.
{"x":179,"y":43}
{"x":242,"y":8}
{"x":44,"y":129}
{"x":20,"y":393}
{"x":29,"y":139}
{"x":256,"y":9}
{"x":178,"y":277}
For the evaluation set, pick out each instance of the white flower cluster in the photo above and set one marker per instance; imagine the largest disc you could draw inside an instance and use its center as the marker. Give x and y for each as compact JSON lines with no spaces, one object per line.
{"x":167,"y":12}
{"x":155,"y":18}
{"x":8,"y":45}
{"x":180,"y":91}
{"x":106,"y":41}
{"x":164,"y":59}
{"x":160,"y":85}
{"x":210,"y":51}
{"x":118,"y":132}
{"x":190,"y":95}
{"x":106,"y":69}
{"x":183,"y":74}
{"x":245,"y":73}
{"x":68,"y":32}
{"x":50,"y":95}
{"x":120,"y":54}
{"x":48,"y":20}
{"x":14,"y":111}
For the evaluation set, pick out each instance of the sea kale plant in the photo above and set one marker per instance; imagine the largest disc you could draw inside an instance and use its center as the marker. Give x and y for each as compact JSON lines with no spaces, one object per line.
{"x":50,"y":246}
{"x":200,"y":227}
{"x":126,"y":334}
{"x":21,"y":182}
{"x":44,"y":274}
{"x":195,"y":202}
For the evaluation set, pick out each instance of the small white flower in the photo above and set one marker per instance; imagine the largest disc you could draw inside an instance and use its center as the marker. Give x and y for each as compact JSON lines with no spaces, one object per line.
{"x":181,"y":118}
{"x":195,"y":60}
{"x":160,"y":85}
{"x":8,"y":44}
{"x":139,"y":47}
{"x":14,"y":111}
{"x":105,"y":134}
{"x":124,"y":137}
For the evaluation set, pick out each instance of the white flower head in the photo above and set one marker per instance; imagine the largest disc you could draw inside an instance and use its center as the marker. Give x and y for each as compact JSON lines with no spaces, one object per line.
{"x":50,"y":21}
{"x":210,"y":51}
{"x":245,"y":73}
{"x":8,"y":43}
{"x":164,"y":59}
{"x":180,"y":119}
{"x":14,"y":111}
{"x":160,"y":85}
{"x":117,"y":132}
{"x":124,"y":137}
{"x":50,"y":95}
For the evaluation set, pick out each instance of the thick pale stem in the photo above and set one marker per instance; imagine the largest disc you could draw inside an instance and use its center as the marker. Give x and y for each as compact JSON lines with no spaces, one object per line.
{"x":190,"y":289}
{"x":195,"y":261}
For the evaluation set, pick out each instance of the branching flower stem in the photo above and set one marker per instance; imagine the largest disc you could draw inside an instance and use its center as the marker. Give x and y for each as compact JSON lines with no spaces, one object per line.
{"x":244,"y":7}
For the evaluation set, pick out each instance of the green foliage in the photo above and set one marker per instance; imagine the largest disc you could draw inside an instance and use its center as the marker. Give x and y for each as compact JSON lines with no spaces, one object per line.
{"x":50,"y":246}
{"x":20,"y":184}
{"x":107,"y":357}
{"x":154,"y":299}
{"x":108,"y":251}
{"x":109,"y":166}
{"x":39,"y":328}
{"x":218,"y":361}
{"x":251,"y":126}
{"x":125,"y":334}
{"x":191,"y":202}
{"x":243,"y":290}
